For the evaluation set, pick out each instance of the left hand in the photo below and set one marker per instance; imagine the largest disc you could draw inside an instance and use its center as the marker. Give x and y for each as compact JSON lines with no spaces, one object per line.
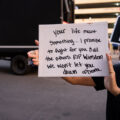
{"x":110,"y":81}
{"x":34,"y":54}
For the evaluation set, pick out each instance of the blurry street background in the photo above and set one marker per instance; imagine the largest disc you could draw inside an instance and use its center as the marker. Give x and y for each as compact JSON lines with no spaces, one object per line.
{"x":31,"y":98}
{"x":28,"y":97}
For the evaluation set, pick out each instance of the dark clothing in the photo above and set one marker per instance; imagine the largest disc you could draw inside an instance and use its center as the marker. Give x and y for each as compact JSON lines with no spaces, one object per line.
{"x":99,"y":81}
{"x":115,"y":47}
{"x":113,"y":102}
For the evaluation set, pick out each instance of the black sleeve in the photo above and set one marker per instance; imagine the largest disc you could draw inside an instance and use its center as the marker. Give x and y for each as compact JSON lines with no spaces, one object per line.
{"x":117,"y":72}
{"x":99,"y":81}
{"x":117,"y":97}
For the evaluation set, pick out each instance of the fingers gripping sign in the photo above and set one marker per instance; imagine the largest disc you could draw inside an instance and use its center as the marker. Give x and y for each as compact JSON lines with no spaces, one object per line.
{"x":37,"y":42}
{"x":34,"y":55}
{"x":36,"y":58}
{"x":110,"y":65}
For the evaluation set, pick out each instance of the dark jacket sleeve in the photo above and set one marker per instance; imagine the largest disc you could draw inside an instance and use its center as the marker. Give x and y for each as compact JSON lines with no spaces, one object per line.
{"x":99,"y":82}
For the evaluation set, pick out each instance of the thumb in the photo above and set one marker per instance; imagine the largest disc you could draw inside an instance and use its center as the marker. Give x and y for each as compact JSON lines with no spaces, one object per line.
{"x":110,"y":65}
{"x":37,"y":42}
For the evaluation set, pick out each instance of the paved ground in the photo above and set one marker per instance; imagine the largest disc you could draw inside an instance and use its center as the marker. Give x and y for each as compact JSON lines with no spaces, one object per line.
{"x":31,"y":98}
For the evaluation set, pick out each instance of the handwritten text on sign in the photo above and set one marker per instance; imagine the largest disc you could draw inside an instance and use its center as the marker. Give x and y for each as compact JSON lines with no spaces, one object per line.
{"x":73,"y":50}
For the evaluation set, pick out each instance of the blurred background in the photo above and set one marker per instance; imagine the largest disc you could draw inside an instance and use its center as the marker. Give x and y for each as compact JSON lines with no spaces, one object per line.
{"x":24,"y":96}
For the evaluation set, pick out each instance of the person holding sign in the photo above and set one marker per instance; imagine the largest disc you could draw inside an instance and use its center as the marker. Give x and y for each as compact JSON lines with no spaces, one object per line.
{"x":111,"y":83}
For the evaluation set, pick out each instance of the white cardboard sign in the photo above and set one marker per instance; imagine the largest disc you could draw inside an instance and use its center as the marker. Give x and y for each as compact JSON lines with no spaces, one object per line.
{"x":73,"y":50}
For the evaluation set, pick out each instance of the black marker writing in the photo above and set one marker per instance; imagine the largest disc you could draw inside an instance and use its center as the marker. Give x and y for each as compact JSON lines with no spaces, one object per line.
{"x":60,"y":50}
{"x":92,"y":57}
{"x":77,"y":64}
{"x":82,"y":49}
{"x":50,"y":51}
{"x":75,"y":30}
{"x":69,"y":71}
{"x":72,"y":49}
{"x":49,"y":58}
{"x":67,"y":57}
{"x":88,"y":40}
{"x":93,"y":49}
{"x":50,"y":66}
{"x":64,"y":65}
{"x":69,"y":41}
{"x":80,"y":40}
{"x":89,"y":65}
{"x":91,"y":71}
{"x":57,"y":32}
{"x":76,"y":56}
{"x":89,"y":31}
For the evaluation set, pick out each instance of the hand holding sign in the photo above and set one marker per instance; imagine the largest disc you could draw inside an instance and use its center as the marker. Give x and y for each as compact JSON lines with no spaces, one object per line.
{"x":109,"y":81}
{"x":34,"y":54}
